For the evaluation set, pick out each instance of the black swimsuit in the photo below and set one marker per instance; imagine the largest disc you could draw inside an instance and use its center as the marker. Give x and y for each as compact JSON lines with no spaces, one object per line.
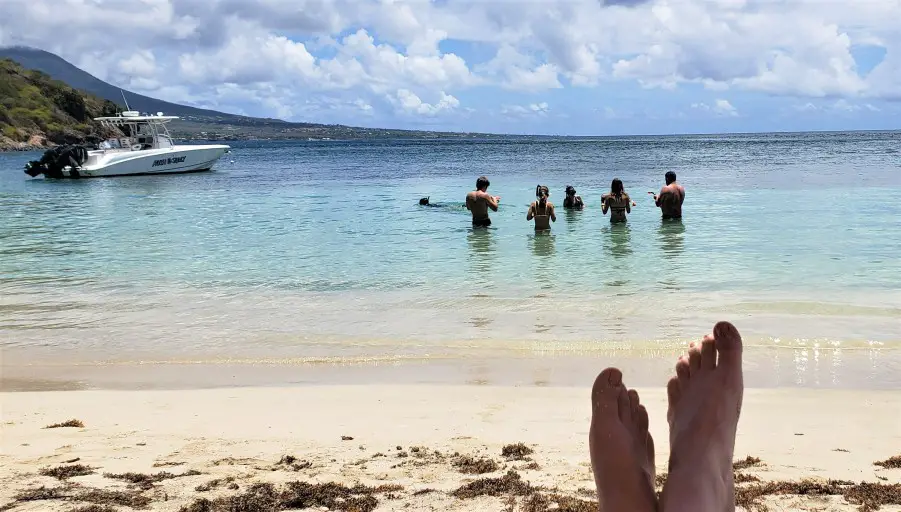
{"x":481,"y":223}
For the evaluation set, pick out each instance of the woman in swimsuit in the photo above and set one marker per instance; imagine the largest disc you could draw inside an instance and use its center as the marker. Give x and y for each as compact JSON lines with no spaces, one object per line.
{"x":542,"y":210}
{"x":617,"y":201}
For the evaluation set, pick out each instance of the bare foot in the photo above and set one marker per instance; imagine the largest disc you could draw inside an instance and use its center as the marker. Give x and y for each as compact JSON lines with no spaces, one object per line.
{"x":622,"y":451}
{"x":704,"y":406}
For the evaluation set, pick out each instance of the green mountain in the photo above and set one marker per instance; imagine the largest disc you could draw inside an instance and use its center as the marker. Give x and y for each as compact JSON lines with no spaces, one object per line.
{"x":198,"y":123}
{"x":36,"y":110}
{"x":60,"y":69}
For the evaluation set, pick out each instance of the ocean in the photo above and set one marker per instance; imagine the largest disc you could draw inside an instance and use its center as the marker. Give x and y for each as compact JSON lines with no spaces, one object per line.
{"x":312,"y":262}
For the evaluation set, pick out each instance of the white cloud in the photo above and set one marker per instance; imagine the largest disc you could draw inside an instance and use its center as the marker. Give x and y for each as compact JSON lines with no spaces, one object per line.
{"x":521,"y":111}
{"x":719,"y":107}
{"x":515,"y":70}
{"x":842,"y":106}
{"x":299,"y":57}
{"x":409,"y":103}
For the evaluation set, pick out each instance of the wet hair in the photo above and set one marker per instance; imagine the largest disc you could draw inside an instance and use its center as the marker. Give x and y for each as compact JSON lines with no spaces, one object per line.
{"x":616,"y":187}
{"x":570,"y":190}
{"x":482,"y":183}
{"x":542,"y":192}
{"x":670,"y":177}
{"x":424,"y":201}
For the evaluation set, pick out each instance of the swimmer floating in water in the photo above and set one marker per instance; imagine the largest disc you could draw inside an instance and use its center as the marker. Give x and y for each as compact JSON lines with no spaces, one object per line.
{"x":542,"y":210}
{"x":425,"y":201}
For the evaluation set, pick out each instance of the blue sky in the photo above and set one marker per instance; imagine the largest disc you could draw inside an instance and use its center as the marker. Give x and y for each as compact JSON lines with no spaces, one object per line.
{"x":571,"y":67}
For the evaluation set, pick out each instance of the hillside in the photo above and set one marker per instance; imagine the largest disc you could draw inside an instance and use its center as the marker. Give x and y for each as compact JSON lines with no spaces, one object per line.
{"x":198,"y":123}
{"x":37,"y":111}
{"x":60,"y":69}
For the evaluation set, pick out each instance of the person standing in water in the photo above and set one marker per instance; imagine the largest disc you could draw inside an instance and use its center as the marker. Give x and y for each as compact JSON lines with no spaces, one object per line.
{"x":617,"y":202}
{"x":572,"y":201}
{"x":671,"y":197}
{"x":541,"y":210}
{"x":479,"y":201}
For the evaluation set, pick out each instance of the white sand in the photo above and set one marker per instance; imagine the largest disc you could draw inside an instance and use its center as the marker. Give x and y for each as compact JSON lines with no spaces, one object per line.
{"x":795,"y":432}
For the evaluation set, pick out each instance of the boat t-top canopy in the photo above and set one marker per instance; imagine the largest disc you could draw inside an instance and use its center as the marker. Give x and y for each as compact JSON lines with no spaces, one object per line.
{"x":132,"y":117}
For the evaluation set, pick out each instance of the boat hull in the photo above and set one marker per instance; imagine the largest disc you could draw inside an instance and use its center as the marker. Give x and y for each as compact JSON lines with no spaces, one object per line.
{"x":172,"y":160}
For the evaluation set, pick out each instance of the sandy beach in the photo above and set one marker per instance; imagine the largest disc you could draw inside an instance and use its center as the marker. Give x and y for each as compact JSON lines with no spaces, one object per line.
{"x":414,"y":447}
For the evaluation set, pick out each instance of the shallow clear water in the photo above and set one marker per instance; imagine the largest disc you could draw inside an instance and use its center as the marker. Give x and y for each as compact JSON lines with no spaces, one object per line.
{"x":318,"y":251}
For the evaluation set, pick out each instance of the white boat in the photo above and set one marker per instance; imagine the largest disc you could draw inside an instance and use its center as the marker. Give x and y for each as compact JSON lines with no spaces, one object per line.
{"x":147,"y":148}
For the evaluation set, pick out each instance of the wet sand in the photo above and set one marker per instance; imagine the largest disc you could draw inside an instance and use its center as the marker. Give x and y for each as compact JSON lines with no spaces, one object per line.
{"x":408,"y":445}
{"x":815,"y":366}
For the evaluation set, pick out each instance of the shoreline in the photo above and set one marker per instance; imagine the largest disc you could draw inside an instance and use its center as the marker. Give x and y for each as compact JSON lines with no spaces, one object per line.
{"x":805,"y":367}
{"x":241,"y":437}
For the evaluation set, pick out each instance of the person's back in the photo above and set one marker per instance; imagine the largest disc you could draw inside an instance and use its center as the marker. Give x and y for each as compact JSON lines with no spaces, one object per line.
{"x":479,"y":201}
{"x":542,"y":210}
{"x":671,"y":197}
{"x":617,"y":202}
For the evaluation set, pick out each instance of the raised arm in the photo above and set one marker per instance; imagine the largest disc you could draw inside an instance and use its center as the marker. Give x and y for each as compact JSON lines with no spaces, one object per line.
{"x":604,"y":206}
{"x":658,"y":198}
{"x":492,"y":201}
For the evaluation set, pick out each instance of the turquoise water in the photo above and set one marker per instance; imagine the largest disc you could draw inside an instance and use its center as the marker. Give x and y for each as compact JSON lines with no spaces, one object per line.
{"x":318,"y":251}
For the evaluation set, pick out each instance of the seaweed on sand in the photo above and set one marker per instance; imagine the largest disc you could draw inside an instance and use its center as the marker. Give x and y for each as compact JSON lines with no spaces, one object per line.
{"x":75,"y":423}
{"x":296,"y":495}
{"x":65,"y":472}
{"x":890,"y":463}
{"x":145,"y":481}
{"x":538,"y":502}
{"x":473,"y":466}
{"x":133,"y":499}
{"x":516,"y":451}
{"x":94,"y":508}
{"x":747,"y":462}
{"x":509,"y":484}
{"x":868,"y":496}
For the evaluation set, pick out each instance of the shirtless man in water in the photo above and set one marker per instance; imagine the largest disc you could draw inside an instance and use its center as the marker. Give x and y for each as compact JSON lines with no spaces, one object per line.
{"x":479,"y":201}
{"x":705,"y":400}
{"x":670,"y":198}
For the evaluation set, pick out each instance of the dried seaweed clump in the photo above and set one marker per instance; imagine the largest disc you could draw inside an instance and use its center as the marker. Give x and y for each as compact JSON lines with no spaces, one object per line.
{"x":747,"y":462}
{"x":741,"y":478}
{"x":145,"y":481}
{"x":517,"y":451}
{"x":296,"y":495}
{"x":71,"y":423}
{"x":294,"y":463}
{"x":473,"y":466}
{"x":40,"y":493}
{"x":94,"y":508}
{"x":133,"y":499}
{"x":510,"y":484}
{"x":890,"y":463}
{"x":868,"y":496}
{"x":64,"y":472}
{"x":212,"y":484}
{"x":538,"y":502}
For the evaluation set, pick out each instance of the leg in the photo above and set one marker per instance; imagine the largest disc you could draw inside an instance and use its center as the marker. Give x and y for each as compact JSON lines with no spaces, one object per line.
{"x":622,"y":451}
{"x":704,"y":406}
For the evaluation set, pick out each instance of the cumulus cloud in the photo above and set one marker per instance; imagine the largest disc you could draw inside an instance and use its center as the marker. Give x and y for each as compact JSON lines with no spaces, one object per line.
{"x":531,"y":110}
{"x":301,"y":58}
{"x":409,"y":103}
{"x":719,"y":107}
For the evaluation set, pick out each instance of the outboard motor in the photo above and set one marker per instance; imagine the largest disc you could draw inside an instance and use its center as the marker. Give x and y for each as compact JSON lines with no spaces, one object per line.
{"x":54,"y":160}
